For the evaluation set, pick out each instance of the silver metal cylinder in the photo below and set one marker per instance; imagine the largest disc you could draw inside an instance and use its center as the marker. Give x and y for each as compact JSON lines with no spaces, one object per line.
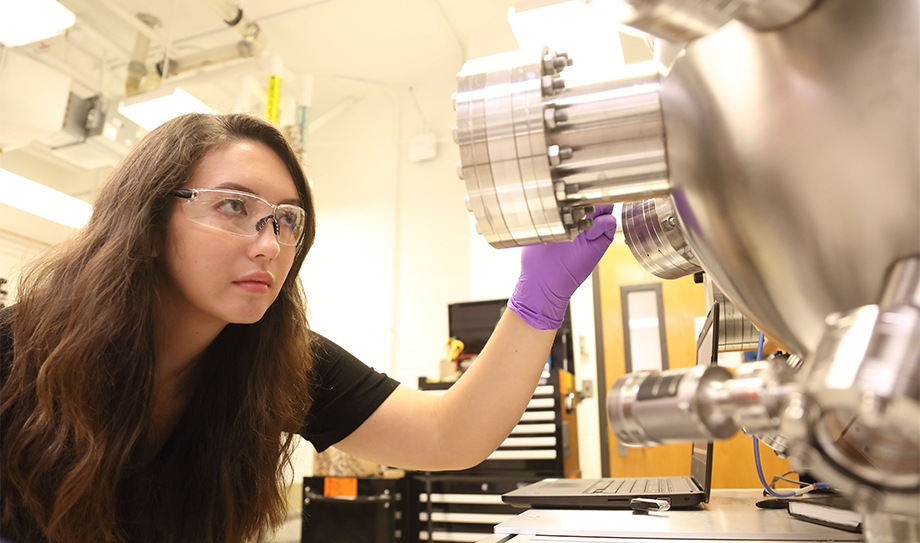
{"x":698,"y":403}
{"x":769,"y":160}
{"x":736,"y":331}
{"x":615,"y":131}
{"x":653,"y":233}
{"x":856,"y":420}
{"x":662,"y":407}
{"x":537,"y":150}
{"x":503,"y":151}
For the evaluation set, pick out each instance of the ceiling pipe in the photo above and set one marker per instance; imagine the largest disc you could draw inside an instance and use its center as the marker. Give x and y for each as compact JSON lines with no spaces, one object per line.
{"x":137,"y":66}
{"x":133,"y":21}
{"x":212,"y":73}
{"x":249,"y":46}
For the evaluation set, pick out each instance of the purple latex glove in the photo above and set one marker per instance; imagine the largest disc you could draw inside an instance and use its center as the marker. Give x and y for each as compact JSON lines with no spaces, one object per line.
{"x":551,"y":272}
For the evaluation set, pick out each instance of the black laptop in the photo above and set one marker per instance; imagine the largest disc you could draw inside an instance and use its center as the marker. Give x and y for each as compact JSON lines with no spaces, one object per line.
{"x":616,"y":493}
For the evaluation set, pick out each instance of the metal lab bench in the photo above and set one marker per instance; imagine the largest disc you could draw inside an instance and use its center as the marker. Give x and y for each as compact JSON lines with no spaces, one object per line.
{"x":730,"y":516}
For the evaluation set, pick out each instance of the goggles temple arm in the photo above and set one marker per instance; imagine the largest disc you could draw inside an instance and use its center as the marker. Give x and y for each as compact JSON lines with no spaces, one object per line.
{"x":188,"y":194}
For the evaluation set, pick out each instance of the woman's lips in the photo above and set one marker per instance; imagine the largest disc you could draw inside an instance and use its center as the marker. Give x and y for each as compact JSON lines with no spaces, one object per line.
{"x":252,"y":286}
{"x":258,"y":282}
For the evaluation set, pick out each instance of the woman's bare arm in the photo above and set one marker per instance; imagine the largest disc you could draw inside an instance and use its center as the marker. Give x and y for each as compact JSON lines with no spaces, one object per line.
{"x":421,"y":431}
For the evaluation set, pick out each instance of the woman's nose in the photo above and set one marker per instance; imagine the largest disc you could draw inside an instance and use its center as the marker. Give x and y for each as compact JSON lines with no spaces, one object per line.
{"x":266,"y":241}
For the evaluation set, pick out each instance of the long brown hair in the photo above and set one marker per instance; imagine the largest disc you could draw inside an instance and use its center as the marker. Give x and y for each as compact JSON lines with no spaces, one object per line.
{"x":76,"y":405}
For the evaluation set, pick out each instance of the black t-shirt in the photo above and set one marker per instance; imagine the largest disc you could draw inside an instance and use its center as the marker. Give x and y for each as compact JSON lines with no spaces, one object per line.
{"x":346,"y":391}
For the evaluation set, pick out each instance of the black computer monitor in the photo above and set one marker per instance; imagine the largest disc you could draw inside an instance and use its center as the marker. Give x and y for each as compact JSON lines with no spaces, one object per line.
{"x":707,"y":354}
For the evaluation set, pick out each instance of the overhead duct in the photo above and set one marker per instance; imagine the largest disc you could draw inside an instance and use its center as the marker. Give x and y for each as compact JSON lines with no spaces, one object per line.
{"x":94,"y":133}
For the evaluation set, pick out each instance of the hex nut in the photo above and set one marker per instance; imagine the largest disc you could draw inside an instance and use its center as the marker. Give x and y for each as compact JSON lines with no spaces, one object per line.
{"x":553,"y":153}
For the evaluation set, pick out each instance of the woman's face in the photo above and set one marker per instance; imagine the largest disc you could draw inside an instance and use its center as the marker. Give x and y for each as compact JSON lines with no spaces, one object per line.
{"x":216,"y":275}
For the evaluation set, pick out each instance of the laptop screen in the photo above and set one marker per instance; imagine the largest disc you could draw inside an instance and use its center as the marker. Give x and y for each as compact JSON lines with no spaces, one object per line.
{"x":707,"y":354}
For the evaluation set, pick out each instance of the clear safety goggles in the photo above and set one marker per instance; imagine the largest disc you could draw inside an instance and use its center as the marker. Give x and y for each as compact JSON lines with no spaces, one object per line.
{"x":242,"y":213}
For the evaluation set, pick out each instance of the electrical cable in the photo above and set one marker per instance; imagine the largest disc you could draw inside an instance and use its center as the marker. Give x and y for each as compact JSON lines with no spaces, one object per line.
{"x":769,"y":488}
{"x":763,"y":481}
{"x":787,"y":479}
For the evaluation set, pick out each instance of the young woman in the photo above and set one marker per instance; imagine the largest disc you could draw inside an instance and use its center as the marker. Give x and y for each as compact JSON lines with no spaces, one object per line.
{"x":155,"y":369}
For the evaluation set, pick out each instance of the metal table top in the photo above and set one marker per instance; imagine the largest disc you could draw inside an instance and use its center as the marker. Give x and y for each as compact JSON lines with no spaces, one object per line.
{"x":730,"y":515}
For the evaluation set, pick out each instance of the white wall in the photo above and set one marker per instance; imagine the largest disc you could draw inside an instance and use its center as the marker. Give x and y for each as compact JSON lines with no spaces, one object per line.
{"x":392,"y":240}
{"x":589,"y":446}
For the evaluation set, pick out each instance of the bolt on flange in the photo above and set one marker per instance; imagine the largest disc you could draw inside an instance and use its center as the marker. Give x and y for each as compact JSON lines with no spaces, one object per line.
{"x":553,"y":116}
{"x":557,"y":154}
{"x":554,"y":62}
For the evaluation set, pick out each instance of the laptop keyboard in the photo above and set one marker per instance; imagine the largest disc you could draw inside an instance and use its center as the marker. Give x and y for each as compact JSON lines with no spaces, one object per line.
{"x":631,"y":486}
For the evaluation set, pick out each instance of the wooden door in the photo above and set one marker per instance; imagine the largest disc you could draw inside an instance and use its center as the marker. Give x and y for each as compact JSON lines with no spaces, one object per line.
{"x":683,"y":301}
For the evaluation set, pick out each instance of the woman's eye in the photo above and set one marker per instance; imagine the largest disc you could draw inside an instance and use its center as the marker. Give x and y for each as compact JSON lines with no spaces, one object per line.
{"x":232,"y":207}
{"x":287,"y":219}
{"x":290,"y":219}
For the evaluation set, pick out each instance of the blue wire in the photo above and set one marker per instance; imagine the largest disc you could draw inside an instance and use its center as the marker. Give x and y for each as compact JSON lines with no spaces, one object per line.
{"x":775,"y":494}
{"x":763,"y":481}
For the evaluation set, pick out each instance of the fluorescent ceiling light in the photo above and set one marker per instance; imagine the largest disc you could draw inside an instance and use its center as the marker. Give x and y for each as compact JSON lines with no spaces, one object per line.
{"x":587,"y":31}
{"x":151,"y":109}
{"x":27,"y":21}
{"x":35,"y":198}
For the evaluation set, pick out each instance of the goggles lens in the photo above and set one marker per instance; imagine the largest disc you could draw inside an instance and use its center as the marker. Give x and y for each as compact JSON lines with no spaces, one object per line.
{"x":242,"y":213}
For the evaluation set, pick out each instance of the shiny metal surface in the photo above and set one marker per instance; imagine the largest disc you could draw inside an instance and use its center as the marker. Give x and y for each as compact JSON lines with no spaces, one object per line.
{"x":653,"y":233}
{"x":800,"y":185}
{"x":730,"y":516}
{"x":653,"y":408}
{"x":503,"y":154}
{"x":686,"y":20}
{"x":856,"y":421}
{"x":679,"y":20}
{"x":699,"y":403}
{"x":536,"y":151}
{"x":792,"y":160}
{"x":736,"y":332}
{"x":791,"y":156}
{"x":771,"y":14}
{"x":615,"y":131}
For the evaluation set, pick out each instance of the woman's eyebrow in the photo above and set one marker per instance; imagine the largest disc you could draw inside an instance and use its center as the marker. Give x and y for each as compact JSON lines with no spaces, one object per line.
{"x":236,"y":186}
{"x":243,"y":188}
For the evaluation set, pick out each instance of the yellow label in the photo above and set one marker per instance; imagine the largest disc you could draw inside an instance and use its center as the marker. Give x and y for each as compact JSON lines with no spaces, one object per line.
{"x":273,"y":98}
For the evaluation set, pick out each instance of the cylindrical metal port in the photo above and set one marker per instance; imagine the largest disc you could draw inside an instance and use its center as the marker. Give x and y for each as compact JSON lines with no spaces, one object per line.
{"x":537,"y":151}
{"x":653,"y":234}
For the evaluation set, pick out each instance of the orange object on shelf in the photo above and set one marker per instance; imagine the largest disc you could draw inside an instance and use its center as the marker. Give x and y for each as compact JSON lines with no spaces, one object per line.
{"x":340,"y":487}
